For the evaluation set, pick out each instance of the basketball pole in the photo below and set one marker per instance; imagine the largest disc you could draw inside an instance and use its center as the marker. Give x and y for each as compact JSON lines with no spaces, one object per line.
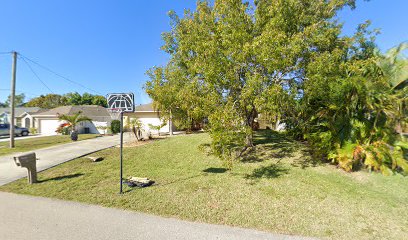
{"x":120,"y":103}
{"x":121,"y":151}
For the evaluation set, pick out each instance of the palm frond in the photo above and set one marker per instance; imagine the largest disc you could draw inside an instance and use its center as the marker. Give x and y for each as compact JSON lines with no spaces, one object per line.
{"x":74,"y":119}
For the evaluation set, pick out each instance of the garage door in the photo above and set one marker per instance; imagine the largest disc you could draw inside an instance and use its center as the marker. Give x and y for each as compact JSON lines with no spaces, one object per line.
{"x":48,"y":127}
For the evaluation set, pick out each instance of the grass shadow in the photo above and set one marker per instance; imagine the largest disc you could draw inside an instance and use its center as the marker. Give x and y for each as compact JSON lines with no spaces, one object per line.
{"x":215,"y":170}
{"x":269,"y":145}
{"x":272,"y":145}
{"x":273,"y":170}
{"x":62,"y":177}
{"x":205,"y":148}
{"x":306,"y":160}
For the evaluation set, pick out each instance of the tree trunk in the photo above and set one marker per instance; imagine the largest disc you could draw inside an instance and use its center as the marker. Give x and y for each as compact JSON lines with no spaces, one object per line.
{"x":249,"y":144}
{"x":74,"y":135}
{"x":249,"y":141}
{"x":249,"y":138}
{"x":136,"y":132}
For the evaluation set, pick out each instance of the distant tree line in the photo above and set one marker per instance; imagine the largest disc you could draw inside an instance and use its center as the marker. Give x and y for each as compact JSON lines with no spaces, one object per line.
{"x":56,"y":100}
{"x":18,"y":99}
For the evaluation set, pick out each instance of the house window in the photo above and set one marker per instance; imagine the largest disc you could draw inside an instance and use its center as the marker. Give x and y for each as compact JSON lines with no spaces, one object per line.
{"x":27,"y":123}
{"x":18,"y":122}
{"x":3,"y":118}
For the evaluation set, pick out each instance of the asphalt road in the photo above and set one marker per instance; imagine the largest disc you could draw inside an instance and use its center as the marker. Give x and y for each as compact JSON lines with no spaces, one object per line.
{"x":26,"y":217}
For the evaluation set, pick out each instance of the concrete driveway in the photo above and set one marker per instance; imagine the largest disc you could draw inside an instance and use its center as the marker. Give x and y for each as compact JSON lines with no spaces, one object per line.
{"x":7,"y":138}
{"x":52,"y":156}
{"x":26,"y":217}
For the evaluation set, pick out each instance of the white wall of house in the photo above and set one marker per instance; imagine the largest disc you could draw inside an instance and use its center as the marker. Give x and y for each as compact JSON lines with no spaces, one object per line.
{"x":106,"y":125}
{"x":27,"y":121}
{"x":93,"y":127}
{"x":18,"y":120}
{"x":48,"y":126}
{"x":147,"y":118}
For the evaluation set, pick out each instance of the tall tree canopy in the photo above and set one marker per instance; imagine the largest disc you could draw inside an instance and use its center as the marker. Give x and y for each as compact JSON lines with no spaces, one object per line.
{"x":47,"y":101}
{"x":232,"y":60}
{"x":18,"y":100}
{"x":225,"y":57}
{"x":55,"y":100}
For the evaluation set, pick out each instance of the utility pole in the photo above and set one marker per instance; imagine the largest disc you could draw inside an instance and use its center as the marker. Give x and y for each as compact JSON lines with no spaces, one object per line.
{"x":13,"y":93}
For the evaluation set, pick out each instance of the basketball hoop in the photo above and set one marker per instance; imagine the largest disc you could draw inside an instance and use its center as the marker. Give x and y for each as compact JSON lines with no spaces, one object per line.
{"x":119,"y":103}
{"x":114,"y":113}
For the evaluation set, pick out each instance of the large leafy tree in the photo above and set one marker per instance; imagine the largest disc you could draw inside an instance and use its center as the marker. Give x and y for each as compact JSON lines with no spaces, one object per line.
{"x":85,"y":99}
{"x":99,"y":100}
{"x":18,"y":100}
{"x":55,"y":100}
{"x":227,"y":58}
{"x":73,"y":98}
{"x":47,"y":101}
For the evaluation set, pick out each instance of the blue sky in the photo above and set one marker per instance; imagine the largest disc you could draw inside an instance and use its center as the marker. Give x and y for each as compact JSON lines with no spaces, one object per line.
{"x":108,"y":46}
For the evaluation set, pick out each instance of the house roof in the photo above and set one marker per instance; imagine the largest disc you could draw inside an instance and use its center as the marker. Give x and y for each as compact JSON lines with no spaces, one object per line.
{"x":145,"y":108}
{"x":18,"y":111}
{"x":96,"y":113}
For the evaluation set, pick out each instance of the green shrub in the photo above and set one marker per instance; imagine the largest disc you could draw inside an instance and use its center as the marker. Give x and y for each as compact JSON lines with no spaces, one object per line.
{"x":115,"y":126}
{"x":378,"y":156}
{"x":64,"y":129}
{"x":33,"y":130}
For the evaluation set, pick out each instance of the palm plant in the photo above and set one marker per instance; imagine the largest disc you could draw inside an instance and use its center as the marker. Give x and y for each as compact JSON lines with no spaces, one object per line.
{"x":385,"y":101}
{"x":393,"y":65}
{"x":136,"y":126}
{"x":353,"y":119}
{"x":73,"y":120}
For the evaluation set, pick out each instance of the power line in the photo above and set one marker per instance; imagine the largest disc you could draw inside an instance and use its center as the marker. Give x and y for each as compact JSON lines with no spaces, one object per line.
{"x":59,"y":75}
{"x":35,"y":74}
{"x":25,"y":92}
{"x":5,"y":52}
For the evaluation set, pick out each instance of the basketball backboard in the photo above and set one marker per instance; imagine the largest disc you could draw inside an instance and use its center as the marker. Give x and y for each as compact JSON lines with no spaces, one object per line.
{"x":120,"y":102}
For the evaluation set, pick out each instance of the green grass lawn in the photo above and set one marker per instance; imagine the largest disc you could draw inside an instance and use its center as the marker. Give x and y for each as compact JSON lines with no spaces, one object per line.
{"x":40,"y":142}
{"x":281,"y":189}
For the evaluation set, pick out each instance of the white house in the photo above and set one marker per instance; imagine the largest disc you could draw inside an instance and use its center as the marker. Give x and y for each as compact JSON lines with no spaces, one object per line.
{"x":146,"y":114}
{"x":22,"y":116}
{"x":47,"y":122}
